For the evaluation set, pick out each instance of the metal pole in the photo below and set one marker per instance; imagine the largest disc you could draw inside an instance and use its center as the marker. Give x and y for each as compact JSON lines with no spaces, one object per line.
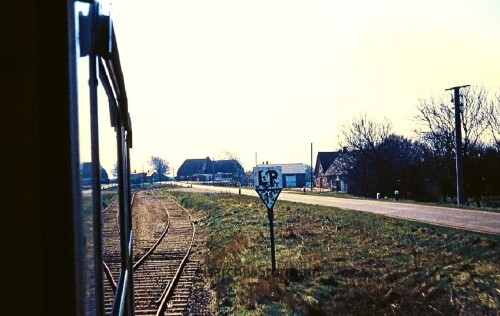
{"x":459,"y":157}
{"x":130,"y":253}
{"x":96,"y":165}
{"x":270,"y":215}
{"x":458,"y":145}
{"x":311,"y":167}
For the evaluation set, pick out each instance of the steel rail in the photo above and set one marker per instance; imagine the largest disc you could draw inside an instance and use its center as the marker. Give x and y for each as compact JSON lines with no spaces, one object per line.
{"x":107,"y":271}
{"x":109,"y":206}
{"x":164,"y":233}
{"x":131,"y":205}
{"x":109,"y":276}
{"x":169,"y":289}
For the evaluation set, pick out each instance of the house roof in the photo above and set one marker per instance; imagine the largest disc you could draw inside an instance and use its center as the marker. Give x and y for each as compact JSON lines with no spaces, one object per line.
{"x":194,"y":166}
{"x":206,"y":166}
{"x":86,"y":171}
{"x":288,"y":168}
{"x":137,"y":173}
{"x":150,"y":173}
{"x":228,"y":166}
{"x":325,"y":159}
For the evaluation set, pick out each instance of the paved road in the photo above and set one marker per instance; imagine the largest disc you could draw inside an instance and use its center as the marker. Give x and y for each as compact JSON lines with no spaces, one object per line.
{"x":479,"y":221}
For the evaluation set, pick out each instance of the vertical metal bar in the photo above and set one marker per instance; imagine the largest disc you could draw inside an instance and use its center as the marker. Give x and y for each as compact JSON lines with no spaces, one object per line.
{"x":121,"y":202}
{"x":96,"y":167}
{"x":130,"y":233}
{"x":124,"y":217}
{"x":80,"y":268}
{"x":458,"y":149}
{"x":126,"y":224}
{"x":129,"y":201}
{"x":131,"y":273}
{"x":128,"y":228}
{"x":311,"y":167}
{"x":270,"y":215}
{"x":118,"y":294}
{"x":123,"y":199}
{"x":122,"y":298}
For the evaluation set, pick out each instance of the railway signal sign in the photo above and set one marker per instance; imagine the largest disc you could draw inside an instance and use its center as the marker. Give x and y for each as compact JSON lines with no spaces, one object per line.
{"x":269,"y":197}
{"x":268,"y":184}
{"x":267,"y":178}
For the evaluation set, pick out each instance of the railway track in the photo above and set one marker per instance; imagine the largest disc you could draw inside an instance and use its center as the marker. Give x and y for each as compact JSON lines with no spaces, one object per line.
{"x":163,"y":238}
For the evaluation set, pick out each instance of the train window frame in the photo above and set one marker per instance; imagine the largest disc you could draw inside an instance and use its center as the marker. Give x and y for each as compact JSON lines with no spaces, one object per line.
{"x":92,"y":36}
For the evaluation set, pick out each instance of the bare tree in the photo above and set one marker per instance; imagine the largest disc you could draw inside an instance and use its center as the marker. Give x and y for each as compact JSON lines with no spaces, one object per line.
{"x":474,"y":117}
{"x":437,"y":131}
{"x":437,"y":124}
{"x":361,"y":136}
{"x":364,"y":133}
{"x":437,"y":120}
{"x":114,"y":171}
{"x":160,"y":166}
{"x":309,"y":170}
{"x":493,"y":121}
{"x":227,"y":155}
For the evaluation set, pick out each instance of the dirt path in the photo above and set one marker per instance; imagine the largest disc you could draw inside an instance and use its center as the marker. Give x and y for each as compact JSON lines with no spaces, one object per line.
{"x":479,"y":221}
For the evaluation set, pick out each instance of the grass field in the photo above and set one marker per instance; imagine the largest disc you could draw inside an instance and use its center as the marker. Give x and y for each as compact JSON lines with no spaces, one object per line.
{"x":332,"y":261}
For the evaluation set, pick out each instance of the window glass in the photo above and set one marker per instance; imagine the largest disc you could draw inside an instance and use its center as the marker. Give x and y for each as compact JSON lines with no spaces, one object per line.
{"x":85,"y":215}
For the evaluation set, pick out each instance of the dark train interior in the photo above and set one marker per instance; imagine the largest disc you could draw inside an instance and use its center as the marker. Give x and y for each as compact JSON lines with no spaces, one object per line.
{"x":52,"y":224}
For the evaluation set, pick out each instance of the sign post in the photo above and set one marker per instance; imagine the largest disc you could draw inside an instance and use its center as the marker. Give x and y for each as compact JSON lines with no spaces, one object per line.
{"x":268,"y":184}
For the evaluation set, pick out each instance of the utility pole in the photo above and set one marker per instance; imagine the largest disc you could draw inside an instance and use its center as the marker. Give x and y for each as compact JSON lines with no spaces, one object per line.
{"x":458,"y":143}
{"x":311,"y":167}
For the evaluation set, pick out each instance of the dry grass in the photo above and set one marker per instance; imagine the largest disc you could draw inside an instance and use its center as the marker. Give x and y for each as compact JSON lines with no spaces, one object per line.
{"x":342,"y":262}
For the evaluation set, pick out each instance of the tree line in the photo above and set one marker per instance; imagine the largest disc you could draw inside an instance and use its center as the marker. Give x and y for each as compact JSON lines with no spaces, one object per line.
{"x":423,"y":167}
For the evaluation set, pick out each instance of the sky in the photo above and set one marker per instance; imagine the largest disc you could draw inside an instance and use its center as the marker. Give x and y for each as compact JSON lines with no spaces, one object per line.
{"x":268,"y":78}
